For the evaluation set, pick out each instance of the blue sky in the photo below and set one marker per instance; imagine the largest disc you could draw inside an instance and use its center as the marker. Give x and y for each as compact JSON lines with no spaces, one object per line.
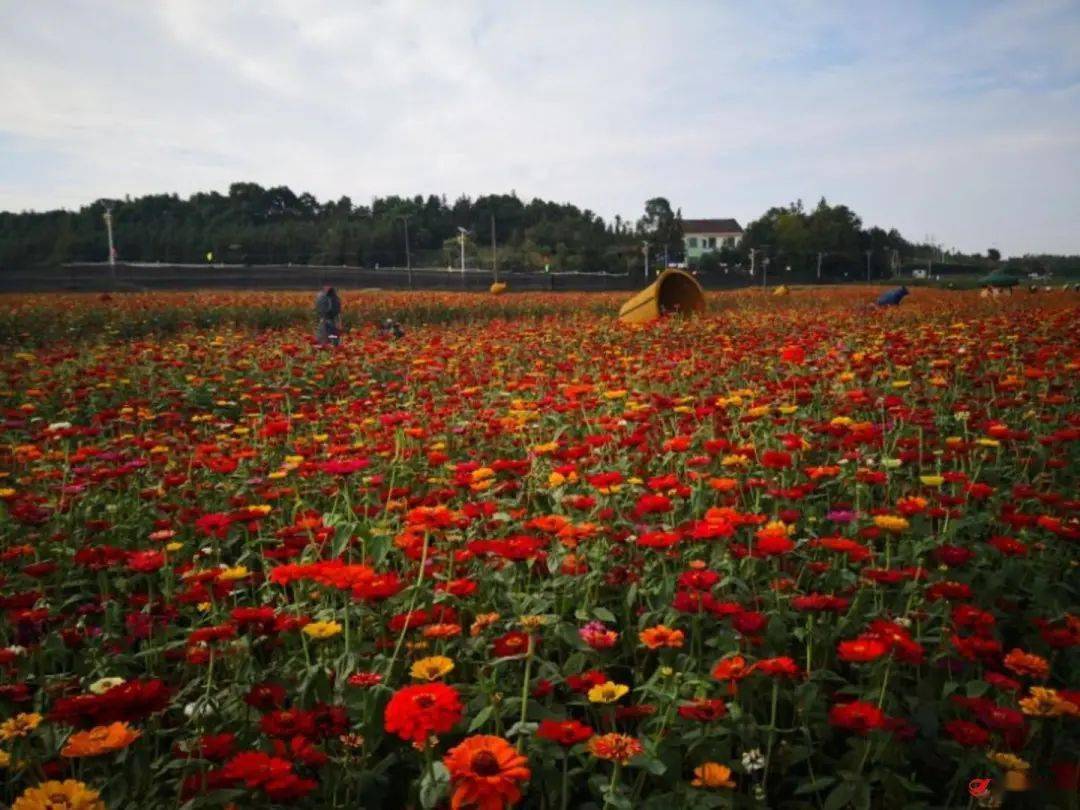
{"x":955,"y":120}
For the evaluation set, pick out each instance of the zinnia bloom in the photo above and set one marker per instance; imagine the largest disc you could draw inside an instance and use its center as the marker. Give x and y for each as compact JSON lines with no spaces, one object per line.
{"x":19,"y":726}
{"x":613,"y":747}
{"x":66,"y":795}
{"x":486,"y":772}
{"x":661,"y":636}
{"x":564,"y":732}
{"x":891,"y":523}
{"x":321,"y":630}
{"x":100,"y":740}
{"x":608,"y":692}
{"x":712,"y":775}
{"x":862,"y":649}
{"x":1029,"y":664}
{"x":431,"y":668}
{"x":415,"y":713}
{"x":857,"y":716}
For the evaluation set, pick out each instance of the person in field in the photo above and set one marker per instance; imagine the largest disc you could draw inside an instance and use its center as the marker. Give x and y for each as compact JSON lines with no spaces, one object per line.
{"x":892,"y":298}
{"x":328,"y":311}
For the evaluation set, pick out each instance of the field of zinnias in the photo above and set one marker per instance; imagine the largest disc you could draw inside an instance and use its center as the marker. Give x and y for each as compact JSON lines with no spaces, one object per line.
{"x":799,"y":553}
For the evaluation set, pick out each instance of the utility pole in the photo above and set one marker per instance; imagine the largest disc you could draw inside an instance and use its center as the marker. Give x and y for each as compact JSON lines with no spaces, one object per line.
{"x":868,"y":252}
{"x":646,"y":245}
{"x":753,"y":257}
{"x":112,"y":250}
{"x":461,"y":239}
{"x":408,"y":257}
{"x":819,"y":255}
{"x":494,"y":257}
{"x":765,"y":272}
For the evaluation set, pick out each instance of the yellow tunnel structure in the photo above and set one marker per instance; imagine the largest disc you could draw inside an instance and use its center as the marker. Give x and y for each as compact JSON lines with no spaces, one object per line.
{"x":673,"y":291}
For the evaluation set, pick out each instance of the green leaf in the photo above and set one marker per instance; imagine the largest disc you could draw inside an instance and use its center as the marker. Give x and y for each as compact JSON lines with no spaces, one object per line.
{"x":433,"y":785}
{"x":815,"y":786}
{"x":481,"y":718}
{"x":840,"y":796}
{"x":604,"y":615}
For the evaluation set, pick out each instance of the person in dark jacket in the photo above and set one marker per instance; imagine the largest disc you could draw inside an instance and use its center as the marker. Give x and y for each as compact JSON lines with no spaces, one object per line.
{"x":892,"y":298}
{"x":328,"y":311}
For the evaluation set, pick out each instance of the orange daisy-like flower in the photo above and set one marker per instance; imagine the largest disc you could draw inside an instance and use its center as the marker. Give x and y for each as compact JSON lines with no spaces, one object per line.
{"x":614,"y":747}
{"x":712,"y":775}
{"x":486,"y":772}
{"x":100,"y":740}
{"x":1029,"y":664}
{"x":661,"y":636}
{"x":733,"y":668}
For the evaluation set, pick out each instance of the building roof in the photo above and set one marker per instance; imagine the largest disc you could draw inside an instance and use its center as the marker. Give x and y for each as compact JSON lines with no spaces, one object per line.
{"x":711,"y":226}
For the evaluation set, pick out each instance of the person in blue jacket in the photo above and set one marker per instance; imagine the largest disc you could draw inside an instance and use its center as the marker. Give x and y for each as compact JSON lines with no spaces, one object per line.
{"x":892,"y":298}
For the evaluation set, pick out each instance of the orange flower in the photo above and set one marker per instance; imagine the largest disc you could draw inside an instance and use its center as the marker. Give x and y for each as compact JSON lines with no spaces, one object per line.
{"x":486,"y":772}
{"x":661,"y":636}
{"x":712,"y":775}
{"x":1029,"y":664}
{"x":615,"y":747}
{"x":733,"y":668}
{"x":100,"y":740}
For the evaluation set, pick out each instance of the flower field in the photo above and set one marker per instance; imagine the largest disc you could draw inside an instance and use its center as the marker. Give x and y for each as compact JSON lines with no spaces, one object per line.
{"x":798,"y":553}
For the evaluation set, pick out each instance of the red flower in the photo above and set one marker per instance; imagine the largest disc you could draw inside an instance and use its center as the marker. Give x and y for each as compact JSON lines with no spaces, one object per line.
{"x":145,"y":562}
{"x":782,"y":667}
{"x":862,"y":649}
{"x":703,"y":710}
{"x":255,"y":768}
{"x":564,"y":732}
{"x":129,"y":702}
{"x":513,"y":643}
{"x":967,"y":733}
{"x":858,"y":716}
{"x":415,"y":713}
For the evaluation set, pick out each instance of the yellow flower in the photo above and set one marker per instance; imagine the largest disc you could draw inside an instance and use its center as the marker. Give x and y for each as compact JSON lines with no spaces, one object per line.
{"x":1009,"y":762}
{"x":1043,"y":702}
{"x":556,"y":479}
{"x":19,"y":726}
{"x":735,"y":461}
{"x":233,"y":574}
{"x":5,"y":759}
{"x":608,"y":692}
{"x":321,"y":630}
{"x":6,"y":492}
{"x":174,"y":546}
{"x":53,"y":795}
{"x":482,"y":622}
{"x":932,"y":480}
{"x":712,"y":775}
{"x":891,"y":523}
{"x":103,"y":685}
{"x":533,"y":622}
{"x":545,"y":449}
{"x":431,"y":668}
{"x":988,"y":442}
{"x":901,"y":383}
{"x":614,"y":394}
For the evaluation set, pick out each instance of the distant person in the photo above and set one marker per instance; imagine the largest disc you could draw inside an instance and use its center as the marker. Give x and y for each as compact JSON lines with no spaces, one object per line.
{"x":892,"y":298}
{"x":391,"y":329}
{"x":328,"y":311}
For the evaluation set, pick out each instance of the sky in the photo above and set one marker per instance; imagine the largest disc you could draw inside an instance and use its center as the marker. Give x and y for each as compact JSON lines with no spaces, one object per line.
{"x":953,"y":120}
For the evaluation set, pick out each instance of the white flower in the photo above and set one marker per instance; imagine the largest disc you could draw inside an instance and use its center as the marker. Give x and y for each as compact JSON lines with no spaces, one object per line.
{"x":103,"y":685}
{"x":903,"y":621}
{"x":59,"y":426}
{"x":753,"y":760}
{"x":15,"y":649}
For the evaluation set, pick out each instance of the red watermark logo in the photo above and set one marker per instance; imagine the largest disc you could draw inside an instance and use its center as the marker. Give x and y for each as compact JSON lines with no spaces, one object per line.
{"x":979,"y":787}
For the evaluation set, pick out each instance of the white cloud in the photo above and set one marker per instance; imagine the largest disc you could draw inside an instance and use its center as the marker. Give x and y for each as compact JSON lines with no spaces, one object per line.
{"x":957,"y":121}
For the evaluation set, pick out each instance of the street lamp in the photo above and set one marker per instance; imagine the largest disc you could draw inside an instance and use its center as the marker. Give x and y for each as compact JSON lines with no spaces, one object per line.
{"x":645,"y":244}
{"x":112,"y":250}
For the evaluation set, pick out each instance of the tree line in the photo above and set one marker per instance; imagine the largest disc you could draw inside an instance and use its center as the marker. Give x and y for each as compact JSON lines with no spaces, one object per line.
{"x":256,"y":225}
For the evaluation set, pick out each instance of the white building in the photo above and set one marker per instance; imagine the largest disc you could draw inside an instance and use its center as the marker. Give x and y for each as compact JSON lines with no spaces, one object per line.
{"x":705,"y":235}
